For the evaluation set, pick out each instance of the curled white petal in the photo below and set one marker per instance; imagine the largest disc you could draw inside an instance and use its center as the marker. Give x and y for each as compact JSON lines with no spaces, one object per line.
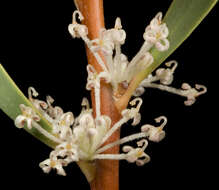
{"x":20,"y":121}
{"x":32,"y":92}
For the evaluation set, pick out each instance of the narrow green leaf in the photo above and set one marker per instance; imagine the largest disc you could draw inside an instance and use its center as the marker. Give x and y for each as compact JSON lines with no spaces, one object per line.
{"x":10,"y":99}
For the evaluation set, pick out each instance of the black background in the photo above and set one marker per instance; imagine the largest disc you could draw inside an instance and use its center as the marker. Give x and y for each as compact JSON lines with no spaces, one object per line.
{"x":36,"y":50}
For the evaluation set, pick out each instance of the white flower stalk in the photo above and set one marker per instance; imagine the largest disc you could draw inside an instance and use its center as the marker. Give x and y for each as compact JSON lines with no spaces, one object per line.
{"x":154,"y":134}
{"x":93,"y":81}
{"x":131,"y":154}
{"x":81,"y":31}
{"x":165,"y":77}
{"x":116,"y":67}
{"x":127,"y":114}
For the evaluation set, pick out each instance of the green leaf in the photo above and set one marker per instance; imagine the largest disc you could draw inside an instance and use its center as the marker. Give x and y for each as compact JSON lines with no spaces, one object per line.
{"x":10,"y":99}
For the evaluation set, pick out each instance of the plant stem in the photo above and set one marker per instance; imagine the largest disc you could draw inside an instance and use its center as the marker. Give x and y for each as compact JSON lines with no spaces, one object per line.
{"x":107,"y":172}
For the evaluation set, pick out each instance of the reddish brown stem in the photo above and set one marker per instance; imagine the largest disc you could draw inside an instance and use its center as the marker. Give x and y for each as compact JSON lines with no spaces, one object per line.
{"x":107,"y":174}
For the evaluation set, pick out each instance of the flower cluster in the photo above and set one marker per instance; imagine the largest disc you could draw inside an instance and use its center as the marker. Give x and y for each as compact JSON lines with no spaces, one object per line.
{"x":83,"y":137}
{"x":117,"y":70}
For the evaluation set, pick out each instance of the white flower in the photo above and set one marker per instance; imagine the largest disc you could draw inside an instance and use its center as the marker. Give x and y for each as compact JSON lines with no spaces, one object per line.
{"x":62,"y":128}
{"x":108,"y":38}
{"x":67,"y":151}
{"x":103,"y":43}
{"x":54,"y":163}
{"x":137,"y":154}
{"x":192,"y":93}
{"x":75,"y":29}
{"x":117,"y":34}
{"x":133,"y":112}
{"x":28,"y":116}
{"x":50,"y":113}
{"x":37,"y":103}
{"x":155,"y":134}
{"x":53,"y":112}
{"x":157,"y":32}
{"x":166,"y":75}
{"x":94,"y":78}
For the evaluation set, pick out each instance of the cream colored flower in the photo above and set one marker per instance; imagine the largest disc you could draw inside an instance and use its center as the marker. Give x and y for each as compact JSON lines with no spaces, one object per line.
{"x":27,"y":116}
{"x":155,"y":134}
{"x":137,"y":154}
{"x":157,"y":32}
{"x":50,"y":164}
